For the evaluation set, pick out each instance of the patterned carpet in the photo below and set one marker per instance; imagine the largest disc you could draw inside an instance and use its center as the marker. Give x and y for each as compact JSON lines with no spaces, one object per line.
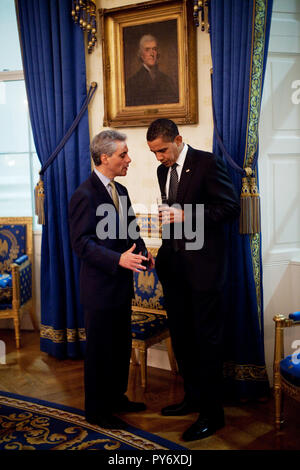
{"x":30,"y":424}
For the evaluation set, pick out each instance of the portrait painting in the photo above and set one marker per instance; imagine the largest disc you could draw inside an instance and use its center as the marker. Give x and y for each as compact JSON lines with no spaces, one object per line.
{"x":149,"y":63}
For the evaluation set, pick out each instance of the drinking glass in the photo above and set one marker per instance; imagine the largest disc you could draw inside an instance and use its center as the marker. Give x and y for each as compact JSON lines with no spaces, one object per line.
{"x":162,"y":203}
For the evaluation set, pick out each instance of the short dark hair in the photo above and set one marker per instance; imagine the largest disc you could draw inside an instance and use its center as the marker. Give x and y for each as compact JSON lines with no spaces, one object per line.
{"x":105,"y":142}
{"x":164,"y":128}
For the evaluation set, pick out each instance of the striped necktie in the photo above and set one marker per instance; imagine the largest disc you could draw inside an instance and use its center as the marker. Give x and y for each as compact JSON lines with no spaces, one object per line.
{"x":114,"y":194}
{"x":173,"y":185}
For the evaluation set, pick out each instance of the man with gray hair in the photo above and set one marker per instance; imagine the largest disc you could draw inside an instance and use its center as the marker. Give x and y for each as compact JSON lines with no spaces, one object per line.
{"x":108,"y":261}
{"x":149,"y":85}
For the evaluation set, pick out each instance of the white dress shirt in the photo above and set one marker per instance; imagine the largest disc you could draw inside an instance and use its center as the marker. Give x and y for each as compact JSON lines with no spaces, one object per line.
{"x":105,"y":180}
{"x":180,"y":162}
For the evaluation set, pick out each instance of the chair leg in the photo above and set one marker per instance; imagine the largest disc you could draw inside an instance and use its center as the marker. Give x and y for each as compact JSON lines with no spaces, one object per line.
{"x":33,"y":316}
{"x":143,"y":361}
{"x":133,"y":357}
{"x":17,"y":331}
{"x":278,"y":407}
{"x":172,"y":359}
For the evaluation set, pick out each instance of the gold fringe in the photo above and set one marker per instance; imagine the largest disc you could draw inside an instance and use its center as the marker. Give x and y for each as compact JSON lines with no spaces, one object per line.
{"x":39,"y":195}
{"x":250,"y":205}
{"x":245,"y":216}
{"x":255,"y":206}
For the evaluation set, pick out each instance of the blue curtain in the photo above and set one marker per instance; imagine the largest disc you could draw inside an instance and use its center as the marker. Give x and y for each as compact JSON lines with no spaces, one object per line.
{"x":239,"y":44}
{"x":54,"y":68}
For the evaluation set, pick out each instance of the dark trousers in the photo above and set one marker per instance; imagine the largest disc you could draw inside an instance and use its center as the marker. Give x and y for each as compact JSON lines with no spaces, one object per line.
{"x":107,"y":358}
{"x":196,"y":327}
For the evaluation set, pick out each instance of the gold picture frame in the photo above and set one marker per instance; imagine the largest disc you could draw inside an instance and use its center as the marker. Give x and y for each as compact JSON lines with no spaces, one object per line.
{"x":132,"y":97}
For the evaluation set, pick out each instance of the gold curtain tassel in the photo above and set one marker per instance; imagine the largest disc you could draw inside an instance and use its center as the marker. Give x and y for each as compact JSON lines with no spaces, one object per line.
{"x":250,"y":207}
{"x":39,"y":195}
{"x":255,"y":205}
{"x":245,"y":200}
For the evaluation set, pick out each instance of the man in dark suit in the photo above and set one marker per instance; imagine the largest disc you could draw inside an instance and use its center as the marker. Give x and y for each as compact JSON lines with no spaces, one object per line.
{"x":193,"y":277}
{"x":149,"y":85}
{"x":109,"y":253}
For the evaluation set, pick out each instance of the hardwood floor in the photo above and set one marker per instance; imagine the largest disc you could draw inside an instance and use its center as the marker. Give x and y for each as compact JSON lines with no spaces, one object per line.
{"x":248,"y":427}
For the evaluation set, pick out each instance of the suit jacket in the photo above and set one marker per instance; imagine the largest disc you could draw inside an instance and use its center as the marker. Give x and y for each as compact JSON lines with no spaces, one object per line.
{"x":141,"y":89}
{"x":103,"y":283}
{"x":204,"y":180}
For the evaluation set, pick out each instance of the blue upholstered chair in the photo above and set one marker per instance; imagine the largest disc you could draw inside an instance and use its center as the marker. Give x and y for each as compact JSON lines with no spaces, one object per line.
{"x":16,"y":251}
{"x":149,"y":321}
{"x":286,"y":369}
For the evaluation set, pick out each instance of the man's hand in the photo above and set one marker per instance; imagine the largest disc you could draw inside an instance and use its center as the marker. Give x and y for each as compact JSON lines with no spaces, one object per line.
{"x":131,"y":261}
{"x":171,"y":215}
{"x":151,"y":261}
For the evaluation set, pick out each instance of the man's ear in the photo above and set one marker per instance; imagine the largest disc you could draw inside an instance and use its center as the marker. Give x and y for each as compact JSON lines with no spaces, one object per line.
{"x":103,"y":158}
{"x":178,"y":140}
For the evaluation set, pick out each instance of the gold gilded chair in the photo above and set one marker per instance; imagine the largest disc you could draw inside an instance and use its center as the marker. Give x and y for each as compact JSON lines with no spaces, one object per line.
{"x":149,"y":323}
{"x":286,"y":369}
{"x":16,"y":259}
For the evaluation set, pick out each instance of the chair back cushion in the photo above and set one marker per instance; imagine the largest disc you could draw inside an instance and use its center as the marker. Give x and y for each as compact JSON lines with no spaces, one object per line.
{"x":290,"y":369}
{"x":12,"y":245}
{"x":148,"y":290}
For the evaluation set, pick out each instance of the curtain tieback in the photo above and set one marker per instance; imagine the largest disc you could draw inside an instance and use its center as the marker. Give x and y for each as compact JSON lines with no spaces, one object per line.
{"x":39,"y":189}
{"x":249,"y":198}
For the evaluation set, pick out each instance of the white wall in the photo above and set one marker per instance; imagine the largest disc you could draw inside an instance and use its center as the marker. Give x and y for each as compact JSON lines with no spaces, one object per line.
{"x":279,"y":169}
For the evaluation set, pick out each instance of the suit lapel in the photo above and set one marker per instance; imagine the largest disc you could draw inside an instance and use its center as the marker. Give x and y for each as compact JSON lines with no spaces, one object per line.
{"x":186,"y":175}
{"x":105,"y":198}
{"x":162,"y":179}
{"x":102,"y":192}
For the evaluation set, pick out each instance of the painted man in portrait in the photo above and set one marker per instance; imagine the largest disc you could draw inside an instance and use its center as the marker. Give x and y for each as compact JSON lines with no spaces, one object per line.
{"x":149,"y":85}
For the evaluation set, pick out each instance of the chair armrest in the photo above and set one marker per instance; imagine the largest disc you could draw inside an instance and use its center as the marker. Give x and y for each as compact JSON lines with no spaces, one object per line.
{"x":21,"y":281}
{"x":281,"y":322}
{"x":15,"y":274}
{"x":295,"y":316}
{"x":21,"y":259}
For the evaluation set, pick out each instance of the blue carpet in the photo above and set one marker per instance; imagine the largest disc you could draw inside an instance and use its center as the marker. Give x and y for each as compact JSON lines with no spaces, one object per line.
{"x":31,"y":424}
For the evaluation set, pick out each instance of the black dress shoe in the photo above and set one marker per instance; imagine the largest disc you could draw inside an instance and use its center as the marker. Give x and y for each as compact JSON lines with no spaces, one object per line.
{"x":179,"y":409}
{"x":127,"y":406}
{"x":202,"y":428}
{"x":107,"y":422}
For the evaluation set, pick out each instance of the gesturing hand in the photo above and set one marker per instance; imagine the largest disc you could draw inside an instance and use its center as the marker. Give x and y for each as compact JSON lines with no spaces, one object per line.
{"x":131,"y":261}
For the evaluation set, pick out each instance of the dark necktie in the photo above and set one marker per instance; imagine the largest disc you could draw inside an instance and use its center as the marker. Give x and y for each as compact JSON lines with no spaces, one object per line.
{"x":173,"y":185}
